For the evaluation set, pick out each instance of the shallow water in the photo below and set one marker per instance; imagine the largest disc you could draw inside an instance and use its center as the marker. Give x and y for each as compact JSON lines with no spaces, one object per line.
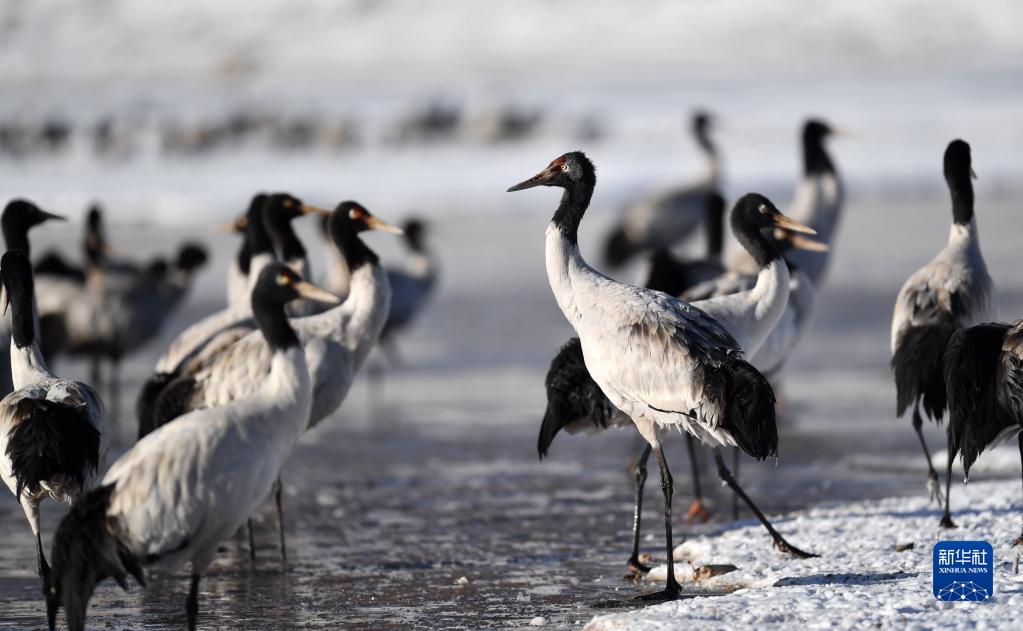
{"x":422,"y":503}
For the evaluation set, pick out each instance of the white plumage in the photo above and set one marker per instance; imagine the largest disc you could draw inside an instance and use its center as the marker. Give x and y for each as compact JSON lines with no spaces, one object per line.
{"x":187,"y":486}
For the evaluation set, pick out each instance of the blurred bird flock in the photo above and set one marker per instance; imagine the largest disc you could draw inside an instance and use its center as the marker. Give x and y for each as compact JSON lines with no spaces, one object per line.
{"x":804,"y":225}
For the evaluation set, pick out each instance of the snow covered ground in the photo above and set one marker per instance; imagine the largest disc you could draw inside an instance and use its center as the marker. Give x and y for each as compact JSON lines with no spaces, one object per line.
{"x":860,"y":581}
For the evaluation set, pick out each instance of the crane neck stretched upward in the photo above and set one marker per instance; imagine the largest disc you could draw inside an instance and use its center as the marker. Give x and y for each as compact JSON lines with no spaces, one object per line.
{"x":288,"y":244}
{"x":574,"y":202}
{"x":354,"y":251}
{"x":27,"y":363}
{"x":961,"y":190}
{"x":816,"y":160}
{"x":244,"y":256}
{"x":16,"y":238}
{"x":273,"y":322}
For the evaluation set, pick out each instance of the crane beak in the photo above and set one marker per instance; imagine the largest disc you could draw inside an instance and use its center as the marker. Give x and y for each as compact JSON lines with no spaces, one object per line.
{"x":540,"y":179}
{"x":376,"y":223}
{"x":312,"y":292}
{"x":51,"y":216}
{"x":4,"y":298}
{"x":231,"y":227}
{"x":844,"y":132}
{"x":789,"y":223}
{"x":805,"y":243}
{"x":309,"y":209}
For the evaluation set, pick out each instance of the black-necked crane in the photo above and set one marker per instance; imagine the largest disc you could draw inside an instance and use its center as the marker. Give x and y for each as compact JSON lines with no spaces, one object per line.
{"x":53,"y":436}
{"x":575,"y":402}
{"x":668,"y":216}
{"x":663,"y":362}
{"x":818,"y":202}
{"x":337,"y":341}
{"x":180,"y":491}
{"x":952,"y":291}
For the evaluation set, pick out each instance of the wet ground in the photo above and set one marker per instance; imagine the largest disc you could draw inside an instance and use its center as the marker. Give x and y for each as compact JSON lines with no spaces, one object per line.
{"x":422,"y":505}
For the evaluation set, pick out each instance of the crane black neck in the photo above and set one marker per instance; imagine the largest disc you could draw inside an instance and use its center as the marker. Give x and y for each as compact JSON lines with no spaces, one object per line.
{"x":704,"y":141}
{"x":16,"y":237}
{"x":961,"y":189}
{"x":356,"y":252}
{"x":574,"y":202}
{"x":287,"y":241}
{"x":259,"y":240}
{"x":763,"y":251}
{"x":244,"y":256}
{"x":20,"y":290}
{"x":273,"y":322}
{"x":816,"y":160}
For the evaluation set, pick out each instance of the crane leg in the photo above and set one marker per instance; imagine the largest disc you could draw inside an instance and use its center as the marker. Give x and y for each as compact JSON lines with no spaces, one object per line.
{"x":946,"y":519}
{"x":933,"y":485}
{"x":697,"y":511}
{"x":1019,"y":540}
{"x":779,"y":541}
{"x":671,"y":590}
{"x":192,"y":602}
{"x":31,"y":508}
{"x":635,"y":567}
{"x":278,"y":487}
{"x":735,"y":474}
{"x":252,"y":539}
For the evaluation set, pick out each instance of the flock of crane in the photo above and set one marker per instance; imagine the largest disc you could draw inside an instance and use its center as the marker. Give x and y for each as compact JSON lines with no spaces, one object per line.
{"x":695,"y":349}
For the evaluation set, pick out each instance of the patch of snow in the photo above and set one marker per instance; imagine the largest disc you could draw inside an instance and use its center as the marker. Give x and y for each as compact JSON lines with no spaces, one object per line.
{"x":859,"y":581}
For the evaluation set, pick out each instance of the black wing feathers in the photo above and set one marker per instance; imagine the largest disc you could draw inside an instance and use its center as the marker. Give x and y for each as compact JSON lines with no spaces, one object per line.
{"x":51,"y":440}
{"x":573,"y":397}
{"x":976,"y":417}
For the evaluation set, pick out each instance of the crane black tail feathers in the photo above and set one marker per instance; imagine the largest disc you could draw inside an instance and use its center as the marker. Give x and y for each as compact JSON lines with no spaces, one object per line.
{"x":749,"y":408}
{"x":51,"y":440}
{"x":574,"y":400}
{"x":86,"y":550}
{"x":975,"y":418}
{"x":145,"y":406}
{"x":918,"y":363}
{"x":618,"y":248}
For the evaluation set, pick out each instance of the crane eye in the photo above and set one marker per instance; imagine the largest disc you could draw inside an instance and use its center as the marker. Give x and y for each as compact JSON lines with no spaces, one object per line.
{"x":564,"y":167}
{"x":282,"y":279}
{"x":763,"y":209}
{"x":288,"y":203}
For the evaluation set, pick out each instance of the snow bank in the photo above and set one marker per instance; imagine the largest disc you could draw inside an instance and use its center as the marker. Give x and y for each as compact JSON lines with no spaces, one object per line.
{"x":859,"y":581}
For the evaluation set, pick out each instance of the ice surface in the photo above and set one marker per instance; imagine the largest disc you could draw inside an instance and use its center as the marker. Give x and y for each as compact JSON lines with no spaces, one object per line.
{"x":858,"y":582}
